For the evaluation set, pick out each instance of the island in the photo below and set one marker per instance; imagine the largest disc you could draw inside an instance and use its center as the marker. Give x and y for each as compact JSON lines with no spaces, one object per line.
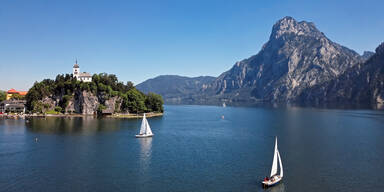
{"x":101,"y":95}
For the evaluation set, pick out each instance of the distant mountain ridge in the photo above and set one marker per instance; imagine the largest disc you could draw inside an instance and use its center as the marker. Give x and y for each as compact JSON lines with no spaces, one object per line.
{"x":174,"y":88}
{"x":297,"y":58}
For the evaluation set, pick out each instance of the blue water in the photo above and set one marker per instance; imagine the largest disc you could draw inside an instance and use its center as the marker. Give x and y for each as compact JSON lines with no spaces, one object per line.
{"x":194,"y":149}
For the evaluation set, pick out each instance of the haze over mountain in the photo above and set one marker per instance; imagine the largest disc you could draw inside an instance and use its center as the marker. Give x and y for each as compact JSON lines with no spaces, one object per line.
{"x":296,"y":58}
{"x":174,"y":88}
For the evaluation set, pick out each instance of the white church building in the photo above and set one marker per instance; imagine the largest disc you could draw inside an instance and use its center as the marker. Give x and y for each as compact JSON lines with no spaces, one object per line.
{"x":84,"y":76}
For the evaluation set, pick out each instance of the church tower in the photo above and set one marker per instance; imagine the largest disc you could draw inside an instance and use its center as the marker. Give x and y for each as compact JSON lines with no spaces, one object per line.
{"x":76,"y":70}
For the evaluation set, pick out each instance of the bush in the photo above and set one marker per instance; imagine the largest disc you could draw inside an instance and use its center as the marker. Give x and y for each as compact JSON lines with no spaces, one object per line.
{"x":52,"y":112}
{"x":58,"y":109}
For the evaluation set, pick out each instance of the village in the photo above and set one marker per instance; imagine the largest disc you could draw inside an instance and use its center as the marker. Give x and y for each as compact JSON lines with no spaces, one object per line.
{"x":14,"y":105}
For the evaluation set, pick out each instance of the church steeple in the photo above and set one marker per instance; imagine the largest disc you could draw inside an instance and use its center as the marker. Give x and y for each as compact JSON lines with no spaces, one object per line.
{"x":76,"y":70}
{"x":76,"y":65}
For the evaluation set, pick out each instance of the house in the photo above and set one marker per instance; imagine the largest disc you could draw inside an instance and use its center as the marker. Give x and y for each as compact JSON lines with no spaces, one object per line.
{"x":84,"y":76}
{"x":107,"y":112}
{"x":13,"y":106}
{"x":13,"y":92}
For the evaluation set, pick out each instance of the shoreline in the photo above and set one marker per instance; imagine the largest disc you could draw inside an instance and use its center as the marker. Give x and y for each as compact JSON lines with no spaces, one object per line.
{"x":134,"y":116}
{"x":117,"y":115}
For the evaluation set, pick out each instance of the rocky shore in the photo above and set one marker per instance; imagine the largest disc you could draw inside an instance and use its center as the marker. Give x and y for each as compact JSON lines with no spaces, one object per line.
{"x":117,"y":115}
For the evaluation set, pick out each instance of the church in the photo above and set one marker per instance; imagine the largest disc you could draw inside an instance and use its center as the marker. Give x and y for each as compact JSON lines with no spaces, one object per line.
{"x":84,"y":76}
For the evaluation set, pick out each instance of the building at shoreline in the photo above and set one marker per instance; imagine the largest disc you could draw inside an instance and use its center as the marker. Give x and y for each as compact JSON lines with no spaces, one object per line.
{"x":12,"y":106}
{"x":84,"y":76}
{"x":13,"y":92}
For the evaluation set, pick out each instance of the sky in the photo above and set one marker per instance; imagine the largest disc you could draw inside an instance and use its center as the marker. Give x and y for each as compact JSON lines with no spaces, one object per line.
{"x":138,"y":40}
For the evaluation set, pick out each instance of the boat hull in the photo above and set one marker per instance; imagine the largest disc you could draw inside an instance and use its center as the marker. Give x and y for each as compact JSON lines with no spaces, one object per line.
{"x":143,"y":136}
{"x":272,"y":182}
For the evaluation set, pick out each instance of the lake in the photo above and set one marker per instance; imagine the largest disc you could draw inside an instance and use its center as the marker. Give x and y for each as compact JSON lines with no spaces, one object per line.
{"x":195,"y":149}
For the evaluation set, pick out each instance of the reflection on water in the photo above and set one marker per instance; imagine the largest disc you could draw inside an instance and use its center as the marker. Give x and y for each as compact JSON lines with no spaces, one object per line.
{"x":195,"y":150}
{"x":11,"y":126}
{"x":71,"y":125}
{"x":145,"y":153}
{"x":145,"y":161}
{"x":277,"y":188}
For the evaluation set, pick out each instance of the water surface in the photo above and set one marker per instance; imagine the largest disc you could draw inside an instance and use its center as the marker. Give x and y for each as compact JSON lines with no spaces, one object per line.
{"x":194,"y":149}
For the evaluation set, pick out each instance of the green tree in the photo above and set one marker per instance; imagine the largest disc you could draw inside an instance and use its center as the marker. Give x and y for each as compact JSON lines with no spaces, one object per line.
{"x":18,"y":97}
{"x":58,"y":109}
{"x":134,"y":101}
{"x":154,"y":102}
{"x":3,"y":96}
{"x":103,"y":86}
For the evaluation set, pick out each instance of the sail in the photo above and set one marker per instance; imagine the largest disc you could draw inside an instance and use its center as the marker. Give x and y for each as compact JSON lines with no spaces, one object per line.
{"x":274,"y":162}
{"x":143,"y":125}
{"x":281,"y":164}
{"x":148,"y":130}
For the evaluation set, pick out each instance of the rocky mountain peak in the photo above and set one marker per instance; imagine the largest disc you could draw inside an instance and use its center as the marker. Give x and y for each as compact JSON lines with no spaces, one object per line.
{"x":289,"y":25}
{"x":380,"y":49}
{"x":366,"y":55}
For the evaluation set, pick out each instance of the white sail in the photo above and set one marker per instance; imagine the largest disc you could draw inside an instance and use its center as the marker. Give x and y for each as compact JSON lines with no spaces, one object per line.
{"x":281,"y":164}
{"x":148,"y":130}
{"x":143,"y":125}
{"x":274,"y":162}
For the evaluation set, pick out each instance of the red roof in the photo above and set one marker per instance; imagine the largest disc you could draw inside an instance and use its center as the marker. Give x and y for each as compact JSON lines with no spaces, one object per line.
{"x":12,"y":91}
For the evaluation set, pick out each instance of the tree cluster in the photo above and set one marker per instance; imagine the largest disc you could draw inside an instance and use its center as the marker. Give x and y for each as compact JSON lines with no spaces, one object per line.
{"x":103,"y":85}
{"x":3,"y":95}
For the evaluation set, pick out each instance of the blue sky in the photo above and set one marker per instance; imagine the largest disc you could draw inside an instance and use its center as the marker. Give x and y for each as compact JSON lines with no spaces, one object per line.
{"x":137,"y":40}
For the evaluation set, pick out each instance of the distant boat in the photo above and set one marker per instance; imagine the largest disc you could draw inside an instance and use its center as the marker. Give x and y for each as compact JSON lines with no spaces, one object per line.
{"x":145,"y":129}
{"x":224,"y":105}
{"x":274,"y":178}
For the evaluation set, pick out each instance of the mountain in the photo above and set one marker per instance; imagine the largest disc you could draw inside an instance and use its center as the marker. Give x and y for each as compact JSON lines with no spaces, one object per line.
{"x":366,"y":55}
{"x":297,"y":56}
{"x":174,"y":88}
{"x":296,"y":64}
{"x":363,"y":83}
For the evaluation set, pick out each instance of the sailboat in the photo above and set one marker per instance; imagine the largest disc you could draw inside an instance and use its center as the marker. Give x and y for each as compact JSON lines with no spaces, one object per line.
{"x":145,"y":129}
{"x":224,"y":105}
{"x":274,"y":178}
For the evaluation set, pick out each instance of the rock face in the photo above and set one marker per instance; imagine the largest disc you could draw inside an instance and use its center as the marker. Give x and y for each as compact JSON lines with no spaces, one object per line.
{"x":297,"y":64}
{"x":367,"y":54}
{"x":175,"y":88}
{"x":83,"y":102}
{"x":113,"y":104}
{"x":363,"y":83}
{"x":297,"y":56}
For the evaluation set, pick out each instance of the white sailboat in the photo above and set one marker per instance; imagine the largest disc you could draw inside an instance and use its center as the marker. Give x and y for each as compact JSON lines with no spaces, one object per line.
{"x":224,"y":105}
{"x":145,"y":129}
{"x":274,"y":178}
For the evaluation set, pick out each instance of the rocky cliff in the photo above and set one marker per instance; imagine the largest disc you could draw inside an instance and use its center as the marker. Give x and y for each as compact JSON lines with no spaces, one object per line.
{"x":363,"y":83}
{"x":82,"y":102}
{"x":297,"y":64}
{"x":297,"y":56}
